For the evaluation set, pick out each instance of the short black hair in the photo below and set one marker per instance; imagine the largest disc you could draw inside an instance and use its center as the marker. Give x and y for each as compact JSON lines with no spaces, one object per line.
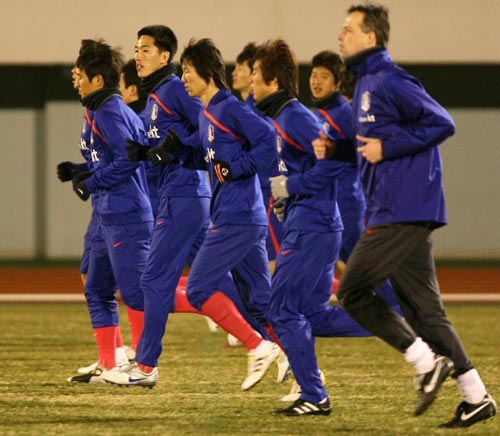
{"x":207,"y":60}
{"x":375,"y":19}
{"x":164,"y":38}
{"x":96,"y":57}
{"x":247,"y":54}
{"x":331,"y":61}
{"x":130,"y":77}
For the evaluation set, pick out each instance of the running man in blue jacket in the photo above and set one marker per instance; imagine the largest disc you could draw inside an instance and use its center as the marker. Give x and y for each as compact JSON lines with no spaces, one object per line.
{"x":399,"y":128}
{"x":302,"y":282}
{"x":183,"y":215}
{"x":65,"y":172}
{"x":121,"y":241}
{"x":235,"y":144}
{"x":335,"y":115}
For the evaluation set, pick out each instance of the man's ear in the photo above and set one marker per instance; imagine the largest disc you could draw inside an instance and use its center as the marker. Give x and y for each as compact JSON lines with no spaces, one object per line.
{"x":98,"y":80}
{"x":134,"y":90}
{"x":164,"y":57}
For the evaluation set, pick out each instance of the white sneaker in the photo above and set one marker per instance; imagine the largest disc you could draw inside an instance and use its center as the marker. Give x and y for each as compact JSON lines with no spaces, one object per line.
{"x":233,"y":341}
{"x":213,"y":327}
{"x":259,"y":363}
{"x":88,"y":369}
{"x":296,"y":390}
{"x":284,"y":368}
{"x":133,"y":377}
{"x":130,"y":352}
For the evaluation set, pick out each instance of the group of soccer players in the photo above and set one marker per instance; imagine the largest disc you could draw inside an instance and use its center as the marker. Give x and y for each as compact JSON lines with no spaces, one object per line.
{"x":201,"y":178}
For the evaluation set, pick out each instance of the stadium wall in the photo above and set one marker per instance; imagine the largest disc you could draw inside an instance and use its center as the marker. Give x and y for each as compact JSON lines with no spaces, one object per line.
{"x":449,"y":46}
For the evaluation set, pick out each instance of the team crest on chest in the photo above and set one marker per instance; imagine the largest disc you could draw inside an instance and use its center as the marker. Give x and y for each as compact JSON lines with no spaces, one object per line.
{"x":211,"y":133}
{"x":326,"y":126}
{"x":154,"y":112}
{"x":365,"y":101}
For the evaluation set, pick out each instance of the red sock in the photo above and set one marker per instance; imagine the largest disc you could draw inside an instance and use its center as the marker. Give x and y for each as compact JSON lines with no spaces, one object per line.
{"x":335,"y":286}
{"x":223,"y":311}
{"x":182,"y":303}
{"x":105,"y":337}
{"x":145,"y":368}
{"x":136,"y":320}
{"x":119,"y":337}
{"x":273,"y":335}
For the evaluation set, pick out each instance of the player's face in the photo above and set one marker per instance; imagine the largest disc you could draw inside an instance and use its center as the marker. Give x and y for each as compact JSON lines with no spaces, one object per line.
{"x":322,"y":83}
{"x":241,"y":76}
{"x":353,"y":39}
{"x":86,"y":86}
{"x":259,"y":86}
{"x":148,"y":57}
{"x":74,"y":77}
{"x":195,"y":85}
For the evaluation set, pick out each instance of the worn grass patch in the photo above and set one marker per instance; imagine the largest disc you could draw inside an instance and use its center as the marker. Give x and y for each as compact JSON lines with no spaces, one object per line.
{"x":371,"y":388}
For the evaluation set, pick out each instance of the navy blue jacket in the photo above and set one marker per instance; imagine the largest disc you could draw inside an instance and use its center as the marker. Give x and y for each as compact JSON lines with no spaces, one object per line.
{"x":123,"y":196}
{"x":169,"y":106}
{"x":391,"y":105}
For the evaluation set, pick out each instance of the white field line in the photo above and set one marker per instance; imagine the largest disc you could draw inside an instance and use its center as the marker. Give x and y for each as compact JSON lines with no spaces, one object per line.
{"x":70,"y":298}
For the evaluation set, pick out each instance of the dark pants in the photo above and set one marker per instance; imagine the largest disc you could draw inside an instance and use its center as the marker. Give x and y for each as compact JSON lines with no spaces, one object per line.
{"x":403,"y":254}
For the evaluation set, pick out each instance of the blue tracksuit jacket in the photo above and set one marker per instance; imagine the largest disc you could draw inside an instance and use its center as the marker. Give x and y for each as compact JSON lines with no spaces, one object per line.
{"x":391,"y":105}
{"x":170,"y":107}
{"x":311,"y":184}
{"x":228,"y":127}
{"x":336,"y":118}
{"x":123,"y":196}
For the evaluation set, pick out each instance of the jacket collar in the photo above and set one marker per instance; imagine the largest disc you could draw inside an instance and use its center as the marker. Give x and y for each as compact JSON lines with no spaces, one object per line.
{"x":368,"y":61}
{"x":332,"y":100}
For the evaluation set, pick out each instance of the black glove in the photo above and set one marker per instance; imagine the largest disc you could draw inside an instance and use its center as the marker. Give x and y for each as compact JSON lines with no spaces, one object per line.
{"x":162,"y":154}
{"x":223,"y":171}
{"x":66,"y":171}
{"x":136,"y":151}
{"x":79,"y":185}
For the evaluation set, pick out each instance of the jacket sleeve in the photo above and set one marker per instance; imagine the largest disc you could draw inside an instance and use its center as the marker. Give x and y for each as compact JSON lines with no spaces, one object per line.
{"x":189,"y":108}
{"x":193,"y":158}
{"x":423,"y":123}
{"x":114,"y":132}
{"x":263,"y":154}
{"x":304,"y":130}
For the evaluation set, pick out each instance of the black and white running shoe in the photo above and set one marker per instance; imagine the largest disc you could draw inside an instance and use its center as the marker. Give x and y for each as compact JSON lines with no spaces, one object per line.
{"x":468,"y":414}
{"x":428,"y":384}
{"x":303,"y":407}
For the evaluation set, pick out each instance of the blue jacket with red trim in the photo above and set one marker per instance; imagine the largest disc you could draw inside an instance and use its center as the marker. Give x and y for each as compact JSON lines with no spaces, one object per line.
{"x":169,"y":106}
{"x":231,"y":131}
{"x":391,"y":105}
{"x":312,"y":204}
{"x":123,"y":196}
{"x":336,"y":118}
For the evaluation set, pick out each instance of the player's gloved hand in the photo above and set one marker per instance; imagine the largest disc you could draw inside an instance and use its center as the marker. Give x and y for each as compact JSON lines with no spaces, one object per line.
{"x":66,"y":171}
{"x":79,"y":185}
{"x":223,"y":171}
{"x":162,"y":154}
{"x":136,"y":151}
{"x":278,"y":187}
{"x":279,"y":207}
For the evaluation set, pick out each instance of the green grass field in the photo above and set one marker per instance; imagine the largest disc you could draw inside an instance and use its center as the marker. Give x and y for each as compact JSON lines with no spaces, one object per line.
{"x":370,"y":385}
